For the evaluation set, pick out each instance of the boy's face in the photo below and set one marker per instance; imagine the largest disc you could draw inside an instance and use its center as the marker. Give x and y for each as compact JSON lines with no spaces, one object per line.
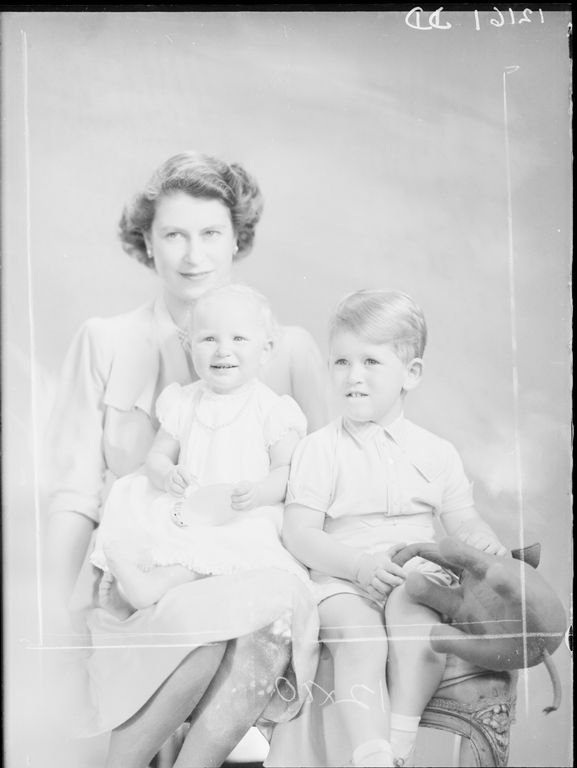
{"x":228,"y":343}
{"x":370,"y":379}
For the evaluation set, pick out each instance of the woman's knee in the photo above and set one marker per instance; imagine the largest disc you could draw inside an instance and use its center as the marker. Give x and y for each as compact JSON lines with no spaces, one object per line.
{"x":268,"y":648}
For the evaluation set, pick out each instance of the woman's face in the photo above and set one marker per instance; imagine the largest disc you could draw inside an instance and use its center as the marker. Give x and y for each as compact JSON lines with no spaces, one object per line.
{"x":192,"y":242}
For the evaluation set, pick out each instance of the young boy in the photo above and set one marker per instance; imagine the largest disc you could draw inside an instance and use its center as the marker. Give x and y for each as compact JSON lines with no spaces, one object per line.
{"x":359,"y":489}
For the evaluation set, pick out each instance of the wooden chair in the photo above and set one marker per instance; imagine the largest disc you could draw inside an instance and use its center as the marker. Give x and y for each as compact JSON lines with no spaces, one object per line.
{"x":478,"y":706}
{"x":475,"y":704}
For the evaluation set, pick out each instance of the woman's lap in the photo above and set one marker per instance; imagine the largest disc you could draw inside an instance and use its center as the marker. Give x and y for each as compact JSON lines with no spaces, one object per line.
{"x":132,"y":658}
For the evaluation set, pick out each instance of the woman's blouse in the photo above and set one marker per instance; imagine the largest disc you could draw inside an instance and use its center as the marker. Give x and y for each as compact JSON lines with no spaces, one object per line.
{"x":117,"y":367}
{"x":357,"y":469}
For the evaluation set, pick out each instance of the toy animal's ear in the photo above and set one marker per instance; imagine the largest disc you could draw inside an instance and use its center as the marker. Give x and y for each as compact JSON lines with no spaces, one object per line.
{"x":530,"y":555}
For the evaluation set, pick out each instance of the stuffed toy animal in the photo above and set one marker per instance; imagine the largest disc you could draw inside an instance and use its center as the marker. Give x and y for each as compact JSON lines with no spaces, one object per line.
{"x":501,"y":615}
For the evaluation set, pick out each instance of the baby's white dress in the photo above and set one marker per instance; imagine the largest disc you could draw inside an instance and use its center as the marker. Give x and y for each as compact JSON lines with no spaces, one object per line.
{"x":224,"y":439}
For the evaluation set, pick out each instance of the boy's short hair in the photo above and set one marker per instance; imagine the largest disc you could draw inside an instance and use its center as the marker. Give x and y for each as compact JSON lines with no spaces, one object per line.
{"x":384,"y":317}
{"x":246,"y":293}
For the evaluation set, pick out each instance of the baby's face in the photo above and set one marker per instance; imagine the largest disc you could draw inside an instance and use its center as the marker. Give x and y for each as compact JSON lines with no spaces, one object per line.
{"x":369,"y":379}
{"x":228,"y":342}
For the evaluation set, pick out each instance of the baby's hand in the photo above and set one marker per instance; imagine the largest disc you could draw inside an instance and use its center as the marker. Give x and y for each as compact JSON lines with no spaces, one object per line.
{"x":177,"y":480}
{"x":244,"y":496}
{"x":483,"y":542}
{"x":377,"y":574}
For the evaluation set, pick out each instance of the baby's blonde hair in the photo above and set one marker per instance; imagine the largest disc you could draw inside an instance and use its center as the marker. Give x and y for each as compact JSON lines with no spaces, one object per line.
{"x":246,"y":293}
{"x":383,"y":317}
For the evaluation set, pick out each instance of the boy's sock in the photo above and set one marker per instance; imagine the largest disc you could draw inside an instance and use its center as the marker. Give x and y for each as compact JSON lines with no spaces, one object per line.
{"x":403,"y":738}
{"x":376,"y":753}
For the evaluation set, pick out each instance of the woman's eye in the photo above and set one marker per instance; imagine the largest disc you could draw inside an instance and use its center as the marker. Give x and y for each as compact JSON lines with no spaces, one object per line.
{"x":211,"y":233}
{"x":172,"y":235}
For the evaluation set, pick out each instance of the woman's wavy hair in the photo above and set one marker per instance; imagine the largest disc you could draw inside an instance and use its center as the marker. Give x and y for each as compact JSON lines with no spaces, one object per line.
{"x":201,"y":176}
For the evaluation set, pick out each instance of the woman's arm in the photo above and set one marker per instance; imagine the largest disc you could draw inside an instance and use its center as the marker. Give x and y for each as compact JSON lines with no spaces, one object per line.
{"x":161,"y":464}
{"x":308,"y":378}
{"x":271,"y":490}
{"x":67,"y":540}
{"x":75,"y":466}
{"x":470,"y":527}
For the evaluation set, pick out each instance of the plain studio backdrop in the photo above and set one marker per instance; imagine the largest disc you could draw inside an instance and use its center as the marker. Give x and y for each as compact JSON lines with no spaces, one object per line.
{"x":380,"y":150}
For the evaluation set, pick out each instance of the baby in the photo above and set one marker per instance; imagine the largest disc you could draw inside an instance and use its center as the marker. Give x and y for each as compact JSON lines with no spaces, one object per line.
{"x":209,"y":500}
{"x":359,"y":489}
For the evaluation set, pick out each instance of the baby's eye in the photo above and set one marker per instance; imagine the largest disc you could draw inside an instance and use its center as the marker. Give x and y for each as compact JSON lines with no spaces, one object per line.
{"x":208,"y":338}
{"x":240,"y":338}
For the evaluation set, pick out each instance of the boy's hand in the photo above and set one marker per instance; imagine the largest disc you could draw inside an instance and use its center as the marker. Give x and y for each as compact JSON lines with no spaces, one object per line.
{"x":377,"y":574}
{"x":244,"y":496}
{"x":177,"y":480}
{"x":483,"y":542}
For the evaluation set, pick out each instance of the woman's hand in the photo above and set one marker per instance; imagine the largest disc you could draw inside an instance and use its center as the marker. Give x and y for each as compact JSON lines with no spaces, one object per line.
{"x":245,"y":496}
{"x":483,"y":542}
{"x":177,"y":480}
{"x":377,"y":574}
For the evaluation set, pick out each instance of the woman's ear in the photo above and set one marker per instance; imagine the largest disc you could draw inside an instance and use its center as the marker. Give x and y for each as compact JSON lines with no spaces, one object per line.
{"x":413,"y":374}
{"x":147,"y":244}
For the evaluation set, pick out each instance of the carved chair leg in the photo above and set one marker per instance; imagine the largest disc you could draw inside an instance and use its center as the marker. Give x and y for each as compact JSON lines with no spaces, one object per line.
{"x":486,"y":728}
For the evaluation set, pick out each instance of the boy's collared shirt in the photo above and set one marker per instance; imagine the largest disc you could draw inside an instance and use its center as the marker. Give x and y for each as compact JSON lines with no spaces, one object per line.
{"x":361,"y":468}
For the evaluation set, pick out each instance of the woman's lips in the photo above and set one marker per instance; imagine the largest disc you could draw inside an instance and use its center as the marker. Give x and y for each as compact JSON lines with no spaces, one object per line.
{"x":193,"y":276}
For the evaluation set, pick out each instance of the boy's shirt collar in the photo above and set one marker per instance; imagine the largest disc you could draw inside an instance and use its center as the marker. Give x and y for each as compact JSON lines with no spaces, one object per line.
{"x":365,"y":430}
{"x":413,"y":441}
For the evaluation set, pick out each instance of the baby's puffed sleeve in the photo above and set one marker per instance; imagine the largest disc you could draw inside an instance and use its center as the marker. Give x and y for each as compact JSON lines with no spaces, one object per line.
{"x":311,"y":479}
{"x":74,"y":450}
{"x":171,"y":409}
{"x":457,"y":492}
{"x":285,"y":416}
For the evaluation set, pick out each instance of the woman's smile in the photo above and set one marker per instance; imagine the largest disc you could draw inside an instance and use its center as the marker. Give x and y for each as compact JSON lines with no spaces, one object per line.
{"x":195,"y":276}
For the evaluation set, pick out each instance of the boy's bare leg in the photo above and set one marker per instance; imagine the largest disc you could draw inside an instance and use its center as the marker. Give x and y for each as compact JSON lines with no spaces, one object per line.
{"x":415,"y":670}
{"x":353,"y":630}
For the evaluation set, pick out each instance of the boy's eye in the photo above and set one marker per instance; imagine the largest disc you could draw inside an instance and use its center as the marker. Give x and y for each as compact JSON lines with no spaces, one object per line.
{"x":340,"y":361}
{"x":371,"y":361}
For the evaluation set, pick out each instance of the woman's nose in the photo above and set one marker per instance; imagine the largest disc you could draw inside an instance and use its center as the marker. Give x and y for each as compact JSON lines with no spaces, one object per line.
{"x":193,"y":250}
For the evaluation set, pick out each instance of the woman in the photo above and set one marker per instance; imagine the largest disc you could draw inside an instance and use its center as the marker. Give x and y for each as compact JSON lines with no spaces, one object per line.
{"x":214,"y":647}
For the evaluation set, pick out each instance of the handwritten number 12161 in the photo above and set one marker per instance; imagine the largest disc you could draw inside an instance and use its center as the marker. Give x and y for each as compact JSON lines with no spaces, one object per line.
{"x":525,"y":17}
{"x":414,"y":18}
